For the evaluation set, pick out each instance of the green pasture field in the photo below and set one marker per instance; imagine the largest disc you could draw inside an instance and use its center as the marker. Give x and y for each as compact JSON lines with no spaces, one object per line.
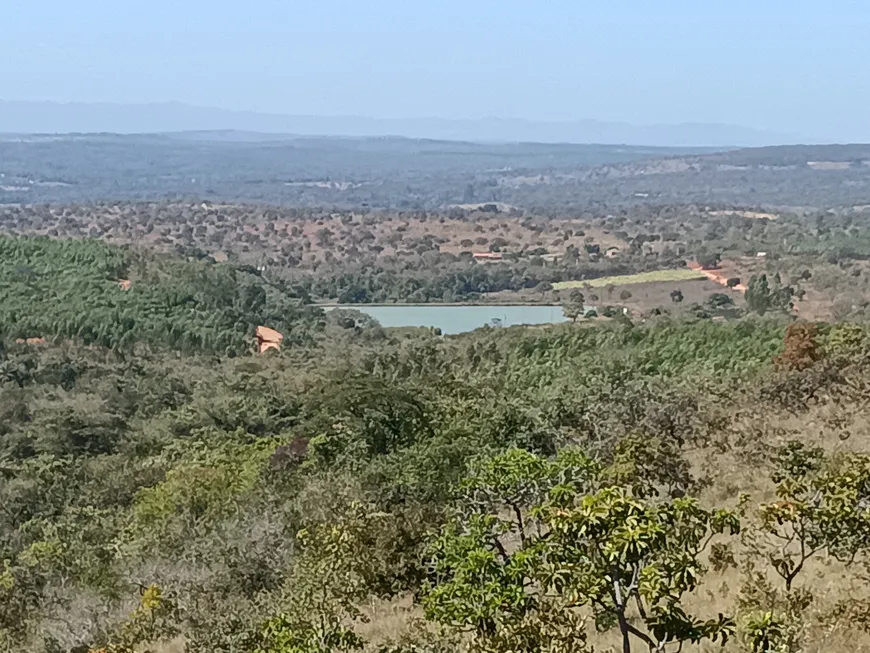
{"x":628,"y":279}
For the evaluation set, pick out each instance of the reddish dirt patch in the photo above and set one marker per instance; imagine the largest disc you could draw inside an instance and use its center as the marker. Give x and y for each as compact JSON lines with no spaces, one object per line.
{"x":716,"y":276}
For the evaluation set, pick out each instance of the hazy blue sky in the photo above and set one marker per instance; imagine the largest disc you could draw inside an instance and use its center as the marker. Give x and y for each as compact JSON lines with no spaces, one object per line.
{"x":795,"y":66}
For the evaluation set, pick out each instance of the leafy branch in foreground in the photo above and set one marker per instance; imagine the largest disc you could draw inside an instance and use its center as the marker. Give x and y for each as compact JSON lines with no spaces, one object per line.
{"x":823,"y":506}
{"x":623,"y":556}
{"x":329,"y":579}
{"x":624,"y":561}
{"x":823,"y":509}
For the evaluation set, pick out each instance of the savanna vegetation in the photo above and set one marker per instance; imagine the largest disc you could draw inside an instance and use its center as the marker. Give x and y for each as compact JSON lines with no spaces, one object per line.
{"x":684,"y":465}
{"x":408,"y":174}
{"x":365,"y":256}
{"x":121,"y":299}
{"x":676,"y":484}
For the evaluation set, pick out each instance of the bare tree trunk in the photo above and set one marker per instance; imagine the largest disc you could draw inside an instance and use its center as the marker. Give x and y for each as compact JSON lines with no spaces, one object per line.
{"x":620,"y":615}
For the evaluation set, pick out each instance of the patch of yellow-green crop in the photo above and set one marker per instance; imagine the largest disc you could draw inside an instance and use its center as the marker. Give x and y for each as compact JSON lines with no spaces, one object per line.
{"x":626,"y":279}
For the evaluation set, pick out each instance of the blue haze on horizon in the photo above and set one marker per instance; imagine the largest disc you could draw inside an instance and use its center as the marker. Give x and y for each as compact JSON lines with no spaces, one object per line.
{"x":796,"y":67}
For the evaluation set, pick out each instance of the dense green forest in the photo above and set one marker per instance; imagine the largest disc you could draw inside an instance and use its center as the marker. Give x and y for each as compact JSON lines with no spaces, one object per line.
{"x":73,"y":290}
{"x":677,"y":483}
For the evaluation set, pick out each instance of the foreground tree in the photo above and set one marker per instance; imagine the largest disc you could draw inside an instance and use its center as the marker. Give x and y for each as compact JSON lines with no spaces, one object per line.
{"x":330,"y":578}
{"x":620,"y":555}
{"x":484,"y":563}
{"x":823,"y":509}
{"x":529,"y":582}
{"x":481,"y":589}
{"x":153,"y":620}
{"x":823,"y":506}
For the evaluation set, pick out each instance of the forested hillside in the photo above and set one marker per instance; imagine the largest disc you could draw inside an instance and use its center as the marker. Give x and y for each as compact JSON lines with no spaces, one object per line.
{"x":120,"y":298}
{"x":676,"y":483}
{"x":409,"y":174}
{"x":296,"y":171}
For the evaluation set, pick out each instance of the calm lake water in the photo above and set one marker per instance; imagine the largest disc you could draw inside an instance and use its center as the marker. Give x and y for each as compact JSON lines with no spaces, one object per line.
{"x":459,"y":319}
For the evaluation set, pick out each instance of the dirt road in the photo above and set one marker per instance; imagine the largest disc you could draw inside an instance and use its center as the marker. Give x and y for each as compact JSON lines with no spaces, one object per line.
{"x":715,"y":276}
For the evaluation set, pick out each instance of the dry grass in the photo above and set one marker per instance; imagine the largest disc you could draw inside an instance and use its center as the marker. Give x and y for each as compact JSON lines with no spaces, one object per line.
{"x":730,"y":470}
{"x":175,"y":645}
{"x":389,"y":621}
{"x":739,"y":470}
{"x":751,"y":215}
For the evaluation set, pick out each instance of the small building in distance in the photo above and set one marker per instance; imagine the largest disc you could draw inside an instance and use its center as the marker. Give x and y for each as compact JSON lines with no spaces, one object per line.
{"x":268,"y":339}
{"x":487,"y":256}
{"x":30,"y":341}
{"x":551,"y":259}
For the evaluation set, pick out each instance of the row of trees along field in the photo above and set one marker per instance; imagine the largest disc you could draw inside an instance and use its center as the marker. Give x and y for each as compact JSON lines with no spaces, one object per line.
{"x":677,"y":484}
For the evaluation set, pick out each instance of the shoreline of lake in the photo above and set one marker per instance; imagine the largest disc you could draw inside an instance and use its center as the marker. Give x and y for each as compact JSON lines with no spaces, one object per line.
{"x":434,"y":304}
{"x":452,"y":319}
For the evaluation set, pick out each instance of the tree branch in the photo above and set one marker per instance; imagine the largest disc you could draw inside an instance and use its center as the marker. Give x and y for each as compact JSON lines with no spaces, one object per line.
{"x":642,"y":636}
{"x":519,"y":515}
{"x":500,"y":548}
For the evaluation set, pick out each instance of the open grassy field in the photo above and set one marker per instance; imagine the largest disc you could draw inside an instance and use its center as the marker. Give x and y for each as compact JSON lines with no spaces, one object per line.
{"x":628,"y":279}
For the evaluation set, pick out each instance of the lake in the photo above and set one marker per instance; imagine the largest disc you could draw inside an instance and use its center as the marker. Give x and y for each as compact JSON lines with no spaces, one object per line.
{"x":459,"y":319}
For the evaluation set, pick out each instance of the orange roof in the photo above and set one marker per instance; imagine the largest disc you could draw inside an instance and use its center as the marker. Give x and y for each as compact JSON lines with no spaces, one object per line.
{"x":268,"y":339}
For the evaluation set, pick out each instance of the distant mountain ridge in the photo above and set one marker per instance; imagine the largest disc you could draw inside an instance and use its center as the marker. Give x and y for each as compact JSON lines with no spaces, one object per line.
{"x":51,"y":117}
